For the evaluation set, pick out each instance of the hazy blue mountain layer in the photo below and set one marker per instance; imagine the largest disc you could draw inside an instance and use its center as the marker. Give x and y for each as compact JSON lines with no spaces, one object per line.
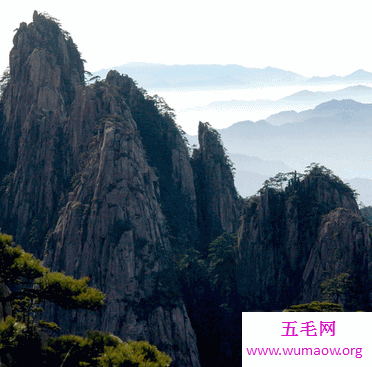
{"x":175,"y":76}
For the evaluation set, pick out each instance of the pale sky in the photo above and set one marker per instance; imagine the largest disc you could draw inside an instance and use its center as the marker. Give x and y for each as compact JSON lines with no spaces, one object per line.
{"x":307,"y":37}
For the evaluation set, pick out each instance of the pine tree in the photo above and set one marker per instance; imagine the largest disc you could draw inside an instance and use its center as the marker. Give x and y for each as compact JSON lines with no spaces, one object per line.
{"x":32,"y":284}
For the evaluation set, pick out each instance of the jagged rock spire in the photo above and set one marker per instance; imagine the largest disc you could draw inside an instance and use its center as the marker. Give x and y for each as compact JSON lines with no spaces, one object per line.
{"x":217,"y":198}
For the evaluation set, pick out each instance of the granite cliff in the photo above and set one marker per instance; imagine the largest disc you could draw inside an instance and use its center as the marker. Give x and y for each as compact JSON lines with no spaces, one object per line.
{"x":218,"y":209}
{"x":97,"y":180}
{"x":294,"y":240}
{"x":78,"y":190}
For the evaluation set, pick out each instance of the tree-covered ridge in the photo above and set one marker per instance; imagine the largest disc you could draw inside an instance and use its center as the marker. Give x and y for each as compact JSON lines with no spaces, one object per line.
{"x":308,"y":224}
{"x":282,"y":181}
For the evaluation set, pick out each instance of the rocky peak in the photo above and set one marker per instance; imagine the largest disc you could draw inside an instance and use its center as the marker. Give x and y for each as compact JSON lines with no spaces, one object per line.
{"x":44,"y":41}
{"x":82,"y":191}
{"x":341,"y":255}
{"x":214,"y":182}
{"x":168,"y":154}
{"x":330,"y":190}
{"x":284,"y":238}
{"x":113,"y":230}
{"x":45,"y":72}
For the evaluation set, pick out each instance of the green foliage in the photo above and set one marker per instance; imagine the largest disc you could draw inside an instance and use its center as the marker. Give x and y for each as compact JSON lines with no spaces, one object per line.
{"x":70,"y":293}
{"x":10,"y":332}
{"x":72,"y":350}
{"x":136,"y":354}
{"x":334,"y":288}
{"x":280,"y":180}
{"x":191,"y":266}
{"x":67,"y":350}
{"x":348,"y":289}
{"x":222,"y":257}
{"x":35,"y":283}
{"x":24,"y":310}
{"x":315,"y":169}
{"x":217,"y":136}
{"x":101,"y":349}
{"x":16,"y":264}
{"x":315,"y":306}
{"x":214,"y":273}
{"x":20,"y":267}
{"x":48,"y":325}
{"x":18,"y":344}
{"x":162,"y":106}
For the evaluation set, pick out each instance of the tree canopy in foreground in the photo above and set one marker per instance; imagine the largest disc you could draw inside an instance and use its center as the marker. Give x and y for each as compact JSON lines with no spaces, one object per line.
{"x":21,"y":336}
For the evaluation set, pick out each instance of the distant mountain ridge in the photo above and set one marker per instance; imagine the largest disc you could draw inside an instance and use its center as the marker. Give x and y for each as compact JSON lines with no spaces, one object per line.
{"x":155,"y":75}
{"x":335,"y":108}
{"x":304,"y":99}
{"x":348,"y":92}
{"x":251,"y":172}
{"x":355,"y":76}
{"x":150,"y":75}
{"x":336,"y":134}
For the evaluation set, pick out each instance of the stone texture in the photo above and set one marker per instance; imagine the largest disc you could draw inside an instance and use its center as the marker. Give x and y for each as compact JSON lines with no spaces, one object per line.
{"x":45,"y":69}
{"x":287,"y":242}
{"x":218,"y":202}
{"x":343,"y":244}
{"x":80,"y":192}
{"x":167,"y":152}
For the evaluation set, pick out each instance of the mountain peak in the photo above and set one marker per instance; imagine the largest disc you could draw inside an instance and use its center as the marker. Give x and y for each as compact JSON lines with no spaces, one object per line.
{"x":44,"y":41}
{"x":360,"y":74}
{"x":341,"y":105}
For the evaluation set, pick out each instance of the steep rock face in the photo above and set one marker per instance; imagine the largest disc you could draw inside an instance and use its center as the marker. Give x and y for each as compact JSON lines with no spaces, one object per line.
{"x":80,"y":181}
{"x":112,"y":230}
{"x":263,"y":277}
{"x":282,"y":234}
{"x":218,"y":203}
{"x":168,"y":154}
{"x":45,"y":68}
{"x":343,"y":247}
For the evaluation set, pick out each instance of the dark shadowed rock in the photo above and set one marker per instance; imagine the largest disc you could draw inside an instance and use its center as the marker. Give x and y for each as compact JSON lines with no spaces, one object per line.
{"x":168,"y":154}
{"x":45,"y":70}
{"x":287,"y":241}
{"x":79,"y":189}
{"x":218,"y":202}
{"x":343,"y":247}
{"x":112,"y":229}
